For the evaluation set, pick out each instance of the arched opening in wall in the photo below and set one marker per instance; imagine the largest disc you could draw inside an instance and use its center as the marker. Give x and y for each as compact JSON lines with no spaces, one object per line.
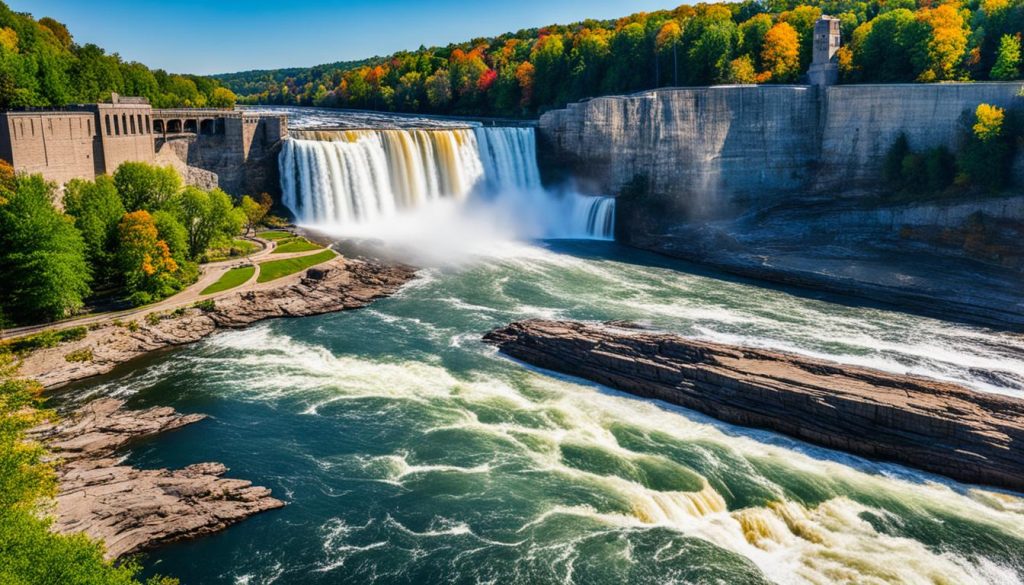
{"x":139,"y":118}
{"x":191,"y":126}
{"x":173,"y":126}
{"x":117,"y":126}
{"x":124,"y":124}
{"x":131,"y":119}
{"x":108,"y":124}
{"x":158,"y":126}
{"x":206,"y":126}
{"x":148,"y":130}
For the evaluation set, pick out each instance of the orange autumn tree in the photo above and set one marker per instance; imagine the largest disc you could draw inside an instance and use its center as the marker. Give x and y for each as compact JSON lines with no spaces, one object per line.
{"x":150,"y":271}
{"x":780,"y":54}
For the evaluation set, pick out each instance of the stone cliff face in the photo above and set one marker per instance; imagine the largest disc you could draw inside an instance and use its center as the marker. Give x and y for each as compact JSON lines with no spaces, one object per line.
{"x":708,"y":146}
{"x":784,"y":183}
{"x":758,"y":143}
{"x":218,"y":161}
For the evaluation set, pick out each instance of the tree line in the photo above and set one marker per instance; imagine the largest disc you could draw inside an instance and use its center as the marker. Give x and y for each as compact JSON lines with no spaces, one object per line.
{"x":42,"y":65}
{"x":769,"y":41}
{"x":138,"y":234}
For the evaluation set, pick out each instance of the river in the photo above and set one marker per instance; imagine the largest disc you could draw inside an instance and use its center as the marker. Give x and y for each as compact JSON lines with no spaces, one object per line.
{"x":410,"y":452}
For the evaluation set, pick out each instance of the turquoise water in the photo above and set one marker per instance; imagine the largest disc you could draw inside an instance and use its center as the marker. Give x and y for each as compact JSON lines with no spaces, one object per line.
{"x":410,"y":452}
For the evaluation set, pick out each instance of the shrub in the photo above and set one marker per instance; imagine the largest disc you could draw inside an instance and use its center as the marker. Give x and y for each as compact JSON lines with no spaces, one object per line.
{"x":206,"y":306}
{"x":79,"y":355}
{"x":132,"y":326}
{"x":154,"y":318}
{"x":74,"y":333}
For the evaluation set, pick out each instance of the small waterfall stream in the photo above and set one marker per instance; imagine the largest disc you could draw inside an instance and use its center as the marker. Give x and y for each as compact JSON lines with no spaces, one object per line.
{"x":349,"y":177}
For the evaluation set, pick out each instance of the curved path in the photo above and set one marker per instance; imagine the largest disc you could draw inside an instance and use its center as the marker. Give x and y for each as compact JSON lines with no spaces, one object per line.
{"x":208,"y":274}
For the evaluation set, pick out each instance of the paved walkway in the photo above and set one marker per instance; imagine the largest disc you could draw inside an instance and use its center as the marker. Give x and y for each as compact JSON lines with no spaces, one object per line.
{"x":208,"y":274}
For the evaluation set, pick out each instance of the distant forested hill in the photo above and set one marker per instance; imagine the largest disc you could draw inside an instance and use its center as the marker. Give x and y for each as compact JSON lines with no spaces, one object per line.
{"x":257,"y":80}
{"x":42,"y":65}
{"x":766,"y":41}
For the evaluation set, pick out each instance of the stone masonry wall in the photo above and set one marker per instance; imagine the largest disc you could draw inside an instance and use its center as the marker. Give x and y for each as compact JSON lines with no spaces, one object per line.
{"x":60,"y":145}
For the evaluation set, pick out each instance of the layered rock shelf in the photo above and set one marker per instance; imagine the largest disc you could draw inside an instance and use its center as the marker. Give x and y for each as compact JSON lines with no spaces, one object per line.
{"x":347,"y":284}
{"x":935,"y":426}
{"x":131,"y":509}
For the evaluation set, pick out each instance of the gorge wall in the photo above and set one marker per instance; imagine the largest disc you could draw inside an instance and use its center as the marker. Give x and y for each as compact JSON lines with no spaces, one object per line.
{"x":718,"y":145}
{"x":785,"y":183}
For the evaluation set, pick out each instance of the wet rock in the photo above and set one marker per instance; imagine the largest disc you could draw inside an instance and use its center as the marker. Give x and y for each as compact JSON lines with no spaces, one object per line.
{"x":936,"y":426}
{"x":131,"y":509}
{"x":349,"y":284}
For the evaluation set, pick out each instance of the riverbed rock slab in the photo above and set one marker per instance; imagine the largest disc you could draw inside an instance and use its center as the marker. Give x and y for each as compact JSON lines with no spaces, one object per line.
{"x":937,"y":426}
{"x":132,"y":509}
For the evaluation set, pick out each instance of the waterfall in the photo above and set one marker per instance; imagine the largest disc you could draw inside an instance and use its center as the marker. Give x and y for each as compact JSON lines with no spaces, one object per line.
{"x":350,"y":177}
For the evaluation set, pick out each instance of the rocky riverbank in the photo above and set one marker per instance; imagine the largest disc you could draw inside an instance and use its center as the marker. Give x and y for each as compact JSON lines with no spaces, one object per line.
{"x":131,"y":509}
{"x":346,"y":284}
{"x":939,"y":427}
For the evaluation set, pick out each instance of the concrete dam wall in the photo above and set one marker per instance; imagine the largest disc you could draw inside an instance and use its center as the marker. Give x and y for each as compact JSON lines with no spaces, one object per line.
{"x":784,"y":183}
{"x":719,"y":147}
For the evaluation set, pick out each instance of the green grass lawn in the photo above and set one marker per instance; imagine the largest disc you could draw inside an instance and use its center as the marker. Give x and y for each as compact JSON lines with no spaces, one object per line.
{"x":275,"y":269}
{"x":275,"y":235}
{"x":230,"y":279}
{"x":295,"y":245}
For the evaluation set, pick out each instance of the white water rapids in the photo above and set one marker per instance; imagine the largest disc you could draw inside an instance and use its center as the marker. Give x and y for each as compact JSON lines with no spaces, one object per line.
{"x":344,"y":180}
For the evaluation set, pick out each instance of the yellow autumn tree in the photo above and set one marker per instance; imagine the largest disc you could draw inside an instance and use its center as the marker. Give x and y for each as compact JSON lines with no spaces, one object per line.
{"x":940,"y":50}
{"x":988,"y":123}
{"x":780,"y":54}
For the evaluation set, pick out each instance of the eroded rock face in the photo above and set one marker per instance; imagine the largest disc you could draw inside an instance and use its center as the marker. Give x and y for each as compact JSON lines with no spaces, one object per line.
{"x":349,"y":284}
{"x":132,"y":509}
{"x":935,"y":426}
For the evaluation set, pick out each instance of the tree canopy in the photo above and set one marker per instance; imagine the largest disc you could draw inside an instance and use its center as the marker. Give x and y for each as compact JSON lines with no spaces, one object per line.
{"x":42,"y":65}
{"x":525,"y":72}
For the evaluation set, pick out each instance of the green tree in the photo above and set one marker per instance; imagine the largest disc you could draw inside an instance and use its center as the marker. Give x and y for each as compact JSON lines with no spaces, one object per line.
{"x":208,"y":218}
{"x":144,"y":186}
{"x":254,"y":211}
{"x":170,"y":230}
{"x":42,"y":255}
{"x":987,"y":153}
{"x":1007,"y":65}
{"x":97,"y":209}
{"x":550,"y":69}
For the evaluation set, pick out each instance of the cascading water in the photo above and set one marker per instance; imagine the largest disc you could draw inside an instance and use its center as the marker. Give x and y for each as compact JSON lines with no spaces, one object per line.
{"x":350,"y":177}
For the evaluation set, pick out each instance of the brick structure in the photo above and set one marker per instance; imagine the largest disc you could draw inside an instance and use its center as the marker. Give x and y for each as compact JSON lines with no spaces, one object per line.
{"x":237,"y":149}
{"x":824,"y":70}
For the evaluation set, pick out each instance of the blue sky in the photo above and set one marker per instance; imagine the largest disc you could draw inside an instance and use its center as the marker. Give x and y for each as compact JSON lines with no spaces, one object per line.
{"x":219,"y":36}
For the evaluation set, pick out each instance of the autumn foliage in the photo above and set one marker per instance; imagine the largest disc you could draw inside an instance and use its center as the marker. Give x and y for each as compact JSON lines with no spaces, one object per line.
{"x":528,"y":71}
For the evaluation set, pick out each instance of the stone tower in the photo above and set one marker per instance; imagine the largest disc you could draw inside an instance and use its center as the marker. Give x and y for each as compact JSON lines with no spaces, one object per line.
{"x":824,"y":70}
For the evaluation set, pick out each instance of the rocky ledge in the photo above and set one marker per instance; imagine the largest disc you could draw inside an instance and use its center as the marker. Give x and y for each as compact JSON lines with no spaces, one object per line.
{"x":131,"y":509}
{"x":936,"y":426}
{"x":345,"y":284}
